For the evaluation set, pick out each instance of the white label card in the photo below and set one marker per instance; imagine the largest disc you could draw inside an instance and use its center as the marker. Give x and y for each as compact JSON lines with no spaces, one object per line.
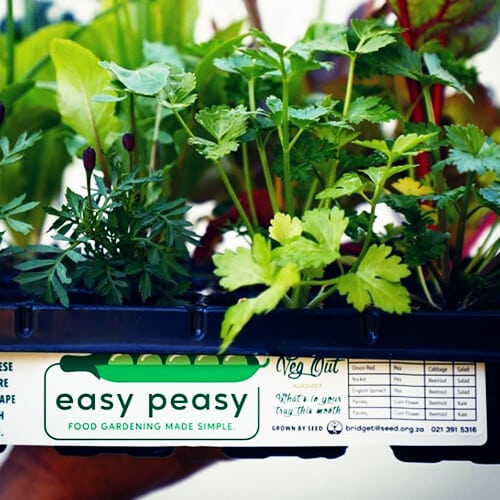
{"x":238,"y":400}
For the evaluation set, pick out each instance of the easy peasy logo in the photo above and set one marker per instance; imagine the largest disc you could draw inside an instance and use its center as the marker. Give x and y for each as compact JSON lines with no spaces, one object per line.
{"x":152,"y":397}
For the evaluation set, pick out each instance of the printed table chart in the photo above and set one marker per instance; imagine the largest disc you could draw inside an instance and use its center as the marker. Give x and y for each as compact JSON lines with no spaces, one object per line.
{"x":412,"y":390}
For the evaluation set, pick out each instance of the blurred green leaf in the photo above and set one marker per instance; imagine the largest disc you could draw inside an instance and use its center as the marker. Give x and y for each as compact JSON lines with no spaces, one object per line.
{"x":79,"y":78}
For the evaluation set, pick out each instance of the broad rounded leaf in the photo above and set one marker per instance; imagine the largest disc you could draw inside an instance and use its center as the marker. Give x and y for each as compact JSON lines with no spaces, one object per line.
{"x":79,"y":79}
{"x":146,"y":81}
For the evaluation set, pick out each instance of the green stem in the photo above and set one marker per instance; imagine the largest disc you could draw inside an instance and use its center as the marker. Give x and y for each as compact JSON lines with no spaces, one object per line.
{"x":425,"y":288}
{"x":133,"y":130}
{"x":11,"y":52}
{"x":234,"y":198}
{"x":462,"y":221}
{"x":89,"y":193}
{"x":310,"y":195}
{"x":268,"y":177}
{"x":332,"y":177}
{"x":482,"y":250}
{"x":261,"y":151}
{"x":371,"y":221}
{"x":321,"y":297}
{"x":156,"y":134}
{"x":248,"y":184}
{"x":285,"y":145}
{"x":296,"y":138}
{"x":184,"y":125}
{"x":349,"y":85}
{"x":429,"y":108}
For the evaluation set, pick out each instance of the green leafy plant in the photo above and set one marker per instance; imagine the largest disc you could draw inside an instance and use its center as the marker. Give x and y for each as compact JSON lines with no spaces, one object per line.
{"x":119,"y":32}
{"x":306,"y":167}
{"x":11,"y":154}
{"x":299,"y":260}
{"x":122,"y":241}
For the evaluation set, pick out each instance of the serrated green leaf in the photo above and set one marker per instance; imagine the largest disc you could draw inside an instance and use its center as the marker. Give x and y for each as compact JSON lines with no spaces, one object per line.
{"x":373,"y":35}
{"x":245,"y":266}
{"x":377,"y":282}
{"x":380,"y":175}
{"x":222,"y":122}
{"x":408,"y":144}
{"x":326,"y":226}
{"x":304,"y":253}
{"x":471,"y":150}
{"x":79,"y":78}
{"x":241,"y":64}
{"x":437,"y":71}
{"x":239,"y":315}
{"x":308,"y":116}
{"x":284,"y":228}
{"x":376,"y":43}
{"x":347,"y":185}
{"x":327,"y":37}
{"x":375,"y":144}
{"x":370,"y":109}
{"x":212,"y":150}
{"x":179,"y":92}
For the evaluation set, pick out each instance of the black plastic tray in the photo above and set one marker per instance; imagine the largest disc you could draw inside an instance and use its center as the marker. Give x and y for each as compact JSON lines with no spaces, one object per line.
{"x":194,"y":329}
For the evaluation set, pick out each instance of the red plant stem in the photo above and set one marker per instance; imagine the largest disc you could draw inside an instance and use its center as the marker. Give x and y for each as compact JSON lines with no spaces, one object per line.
{"x":414,"y":88}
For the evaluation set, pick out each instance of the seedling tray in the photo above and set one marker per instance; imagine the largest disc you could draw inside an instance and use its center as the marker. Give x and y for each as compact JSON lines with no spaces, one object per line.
{"x":372,"y":340}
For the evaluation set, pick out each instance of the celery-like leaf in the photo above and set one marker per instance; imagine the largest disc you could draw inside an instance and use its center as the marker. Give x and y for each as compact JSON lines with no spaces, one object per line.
{"x":240,"y":314}
{"x":245,"y":266}
{"x":225,"y":125}
{"x":284,"y":228}
{"x":377,"y":282}
{"x":471,"y":150}
{"x":370,"y":109}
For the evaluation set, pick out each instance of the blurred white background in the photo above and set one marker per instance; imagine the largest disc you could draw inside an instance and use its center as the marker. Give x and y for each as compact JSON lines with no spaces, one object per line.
{"x":364,"y":472}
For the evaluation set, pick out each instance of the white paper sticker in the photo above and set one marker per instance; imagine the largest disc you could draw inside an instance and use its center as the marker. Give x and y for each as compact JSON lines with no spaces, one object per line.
{"x":159,"y":400}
